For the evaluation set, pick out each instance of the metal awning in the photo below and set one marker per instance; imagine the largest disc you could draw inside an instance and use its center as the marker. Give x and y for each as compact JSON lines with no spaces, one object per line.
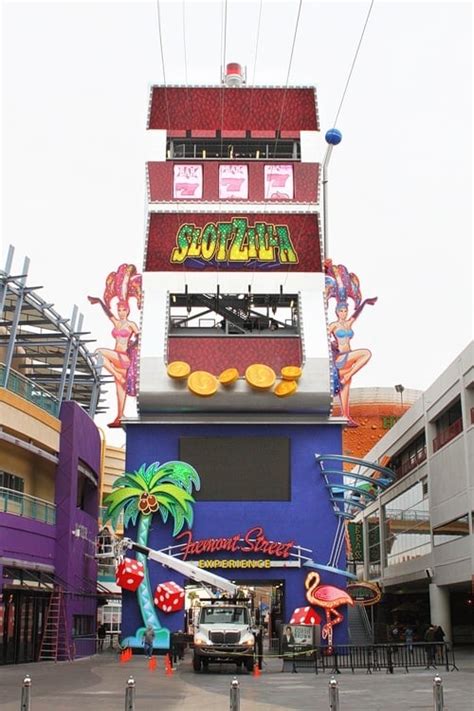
{"x":42,"y":350}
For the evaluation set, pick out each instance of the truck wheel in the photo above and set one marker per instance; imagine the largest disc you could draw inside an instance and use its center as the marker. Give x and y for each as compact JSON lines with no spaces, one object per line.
{"x":249,"y":664}
{"x":196,"y":663}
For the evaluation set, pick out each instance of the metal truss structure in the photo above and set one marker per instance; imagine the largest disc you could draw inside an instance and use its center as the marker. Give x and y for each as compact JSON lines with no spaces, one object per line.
{"x":349,"y":492}
{"x":45,"y":358}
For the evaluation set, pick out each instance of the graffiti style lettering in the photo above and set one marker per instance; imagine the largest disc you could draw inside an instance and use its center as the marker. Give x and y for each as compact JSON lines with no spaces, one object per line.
{"x":258,"y":543}
{"x":234,"y":241}
{"x":254,"y":541}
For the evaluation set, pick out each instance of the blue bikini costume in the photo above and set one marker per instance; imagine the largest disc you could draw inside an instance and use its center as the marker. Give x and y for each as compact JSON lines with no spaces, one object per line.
{"x":340,"y":359}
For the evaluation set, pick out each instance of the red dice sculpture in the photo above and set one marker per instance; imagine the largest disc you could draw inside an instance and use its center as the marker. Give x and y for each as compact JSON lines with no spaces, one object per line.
{"x":169,"y":597}
{"x":305,"y":616}
{"x":129,"y":574}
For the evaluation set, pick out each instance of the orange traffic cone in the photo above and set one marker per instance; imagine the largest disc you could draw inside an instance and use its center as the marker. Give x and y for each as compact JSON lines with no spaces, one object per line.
{"x":152,"y":664}
{"x":256,"y":671}
{"x":122,"y":657}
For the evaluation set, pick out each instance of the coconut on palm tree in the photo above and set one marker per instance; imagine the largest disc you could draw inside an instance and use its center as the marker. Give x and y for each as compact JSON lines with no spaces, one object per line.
{"x":155,"y":488}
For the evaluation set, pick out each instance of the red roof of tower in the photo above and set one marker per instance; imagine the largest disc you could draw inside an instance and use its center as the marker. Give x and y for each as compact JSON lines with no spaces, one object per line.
{"x":244,"y":109}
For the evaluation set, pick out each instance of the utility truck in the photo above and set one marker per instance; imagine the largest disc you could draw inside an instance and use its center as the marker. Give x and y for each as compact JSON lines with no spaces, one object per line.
{"x":224,"y":633}
{"x":224,"y":630}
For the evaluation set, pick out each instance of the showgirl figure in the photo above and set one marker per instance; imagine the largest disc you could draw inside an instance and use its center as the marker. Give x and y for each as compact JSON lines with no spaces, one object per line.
{"x":342,"y":285}
{"x":121,"y":362}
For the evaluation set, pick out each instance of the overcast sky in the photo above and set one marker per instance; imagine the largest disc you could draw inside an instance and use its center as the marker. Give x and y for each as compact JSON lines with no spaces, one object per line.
{"x":75,"y":97}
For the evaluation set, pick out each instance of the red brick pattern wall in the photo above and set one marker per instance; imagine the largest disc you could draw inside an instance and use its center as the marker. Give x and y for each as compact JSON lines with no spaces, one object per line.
{"x":163,"y":227}
{"x":217,"y":354}
{"x":216,"y":108}
{"x":305,"y":177}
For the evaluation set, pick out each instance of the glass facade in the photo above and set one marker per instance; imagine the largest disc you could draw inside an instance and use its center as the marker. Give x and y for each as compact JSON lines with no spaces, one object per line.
{"x":451,"y":531}
{"x":22,"y":617}
{"x":407,"y":526}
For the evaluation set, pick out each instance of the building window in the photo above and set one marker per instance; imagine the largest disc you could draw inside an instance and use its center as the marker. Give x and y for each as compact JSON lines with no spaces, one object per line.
{"x":86,"y":489}
{"x":410,"y":457}
{"x":232,"y":149}
{"x":10,"y":481}
{"x":83,"y":625}
{"x":407,"y":526}
{"x":451,"y":531}
{"x":448,"y":425}
{"x":111,"y":616}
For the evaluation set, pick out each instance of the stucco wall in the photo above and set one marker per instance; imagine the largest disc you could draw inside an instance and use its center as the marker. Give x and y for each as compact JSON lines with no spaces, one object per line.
{"x":37,"y":473}
{"x":28,"y":421}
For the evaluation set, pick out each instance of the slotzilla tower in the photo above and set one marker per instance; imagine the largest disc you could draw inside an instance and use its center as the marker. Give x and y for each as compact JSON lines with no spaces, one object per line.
{"x":233,"y":278}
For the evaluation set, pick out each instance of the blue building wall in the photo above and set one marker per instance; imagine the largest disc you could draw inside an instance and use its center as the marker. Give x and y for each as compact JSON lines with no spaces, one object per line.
{"x":308,"y":518}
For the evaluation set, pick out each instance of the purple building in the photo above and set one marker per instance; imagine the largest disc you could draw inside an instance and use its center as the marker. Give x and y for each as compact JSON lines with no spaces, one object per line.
{"x":50,"y":454}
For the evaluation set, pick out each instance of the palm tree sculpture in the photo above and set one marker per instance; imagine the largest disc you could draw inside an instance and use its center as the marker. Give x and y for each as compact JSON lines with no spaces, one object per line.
{"x":167,"y":489}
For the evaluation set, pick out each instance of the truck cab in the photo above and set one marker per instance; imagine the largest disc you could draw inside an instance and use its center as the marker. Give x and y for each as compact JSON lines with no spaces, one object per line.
{"x":224,"y":633}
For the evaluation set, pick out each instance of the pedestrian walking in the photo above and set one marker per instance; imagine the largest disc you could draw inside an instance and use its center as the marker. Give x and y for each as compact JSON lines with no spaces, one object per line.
{"x":101,"y":633}
{"x":439,"y":637}
{"x":148,"y":637}
{"x":409,"y":638}
{"x":430,"y":647}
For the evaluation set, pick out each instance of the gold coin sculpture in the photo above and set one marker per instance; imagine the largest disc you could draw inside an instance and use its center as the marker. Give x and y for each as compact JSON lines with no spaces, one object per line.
{"x":202,"y":383}
{"x":260,"y":376}
{"x":228,"y":376}
{"x":178,"y":369}
{"x":285,"y":388}
{"x":291,"y":372}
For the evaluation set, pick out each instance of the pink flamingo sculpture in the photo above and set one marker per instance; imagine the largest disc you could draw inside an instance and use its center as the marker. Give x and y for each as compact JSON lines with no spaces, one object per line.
{"x":329,"y":598}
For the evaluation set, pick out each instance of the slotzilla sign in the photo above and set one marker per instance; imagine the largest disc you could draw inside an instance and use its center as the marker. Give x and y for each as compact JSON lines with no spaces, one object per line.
{"x":225,"y":241}
{"x":234,"y":241}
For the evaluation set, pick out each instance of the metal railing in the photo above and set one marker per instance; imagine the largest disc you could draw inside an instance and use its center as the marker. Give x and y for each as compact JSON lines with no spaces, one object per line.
{"x":14,"y":502}
{"x":29,"y":390}
{"x":372,"y":658}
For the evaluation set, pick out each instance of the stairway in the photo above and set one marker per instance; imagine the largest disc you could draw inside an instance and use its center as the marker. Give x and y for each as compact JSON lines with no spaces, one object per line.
{"x":55,"y":640}
{"x":359,"y":630}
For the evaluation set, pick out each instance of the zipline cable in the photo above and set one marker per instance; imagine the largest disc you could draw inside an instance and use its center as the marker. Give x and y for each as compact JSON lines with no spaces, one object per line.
{"x":223,"y":69}
{"x":184,"y":46}
{"x":288,"y":76}
{"x":162,"y":61}
{"x":353,"y":63}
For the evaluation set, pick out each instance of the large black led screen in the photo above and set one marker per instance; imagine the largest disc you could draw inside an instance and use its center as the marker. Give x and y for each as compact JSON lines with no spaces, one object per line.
{"x":239,"y":468}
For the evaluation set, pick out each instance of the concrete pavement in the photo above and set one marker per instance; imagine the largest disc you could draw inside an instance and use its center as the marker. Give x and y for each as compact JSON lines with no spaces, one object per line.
{"x":98,"y":684}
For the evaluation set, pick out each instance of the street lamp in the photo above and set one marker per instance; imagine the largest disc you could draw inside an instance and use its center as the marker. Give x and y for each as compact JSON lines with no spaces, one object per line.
{"x":400,"y":389}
